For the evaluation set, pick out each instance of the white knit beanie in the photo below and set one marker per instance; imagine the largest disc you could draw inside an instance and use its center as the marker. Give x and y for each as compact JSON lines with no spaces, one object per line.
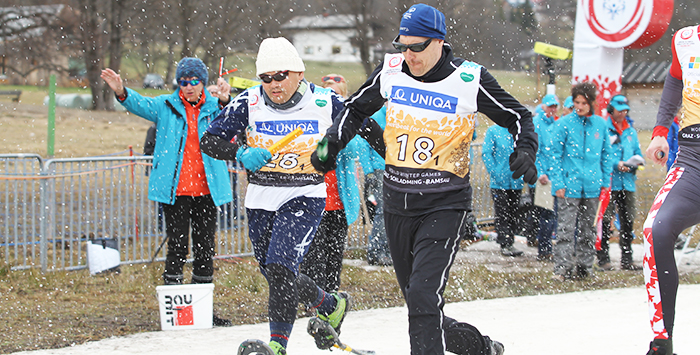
{"x":278,"y":54}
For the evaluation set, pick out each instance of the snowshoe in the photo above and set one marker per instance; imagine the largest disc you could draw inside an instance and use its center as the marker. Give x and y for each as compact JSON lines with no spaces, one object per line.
{"x":326,"y":337}
{"x":259,"y":347}
{"x":464,"y":339}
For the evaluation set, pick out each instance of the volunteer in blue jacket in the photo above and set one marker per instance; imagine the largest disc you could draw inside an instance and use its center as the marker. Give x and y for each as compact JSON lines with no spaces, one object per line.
{"x":505,"y":191}
{"x":544,"y":127}
{"x":568,"y":106}
{"x":189,"y":184}
{"x":625,"y":145}
{"x":582,"y":164}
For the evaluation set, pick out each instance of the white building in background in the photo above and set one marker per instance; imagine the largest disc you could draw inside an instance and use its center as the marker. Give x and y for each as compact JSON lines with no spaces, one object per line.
{"x":324,"y":38}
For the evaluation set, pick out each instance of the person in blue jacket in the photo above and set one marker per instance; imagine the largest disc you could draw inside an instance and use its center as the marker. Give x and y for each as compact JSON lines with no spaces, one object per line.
{"x":373,"y":166}
{"x":498,"y":146}
{"x":544,"y":127}
{"x":568,"y":106}
{"x":582,"y":164}
{"x":625,"y":145}
{"x":189,"y":184}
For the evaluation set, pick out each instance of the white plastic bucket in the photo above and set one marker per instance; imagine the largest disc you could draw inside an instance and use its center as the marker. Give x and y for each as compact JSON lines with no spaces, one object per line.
{"x":186,"y":306}
{"x":102,"y":255}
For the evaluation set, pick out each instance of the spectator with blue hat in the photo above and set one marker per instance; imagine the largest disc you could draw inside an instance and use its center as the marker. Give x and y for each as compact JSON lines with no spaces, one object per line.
{"x":625,"y":145}
{"x":188,"y":185}
{"x":568,"y":106}
{"x":620,"y":103}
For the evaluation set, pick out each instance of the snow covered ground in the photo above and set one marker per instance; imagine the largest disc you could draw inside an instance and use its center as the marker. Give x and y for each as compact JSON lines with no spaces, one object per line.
{"x":592,"y":322}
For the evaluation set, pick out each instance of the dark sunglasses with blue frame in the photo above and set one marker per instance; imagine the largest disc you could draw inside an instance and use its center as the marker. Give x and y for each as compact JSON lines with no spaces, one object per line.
{"x":415,"y":47}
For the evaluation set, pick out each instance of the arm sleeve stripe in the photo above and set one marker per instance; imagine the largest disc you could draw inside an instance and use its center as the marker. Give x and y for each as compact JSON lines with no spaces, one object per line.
{"x":515,"y":139}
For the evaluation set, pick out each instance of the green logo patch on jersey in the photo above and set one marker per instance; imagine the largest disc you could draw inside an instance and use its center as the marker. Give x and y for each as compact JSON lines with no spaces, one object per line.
{"x":321,"y":103}
{"x":466,"y":77}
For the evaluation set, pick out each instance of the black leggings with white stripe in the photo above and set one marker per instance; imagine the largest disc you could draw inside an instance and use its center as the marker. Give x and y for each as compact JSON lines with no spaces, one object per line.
{"x":423,"y":249}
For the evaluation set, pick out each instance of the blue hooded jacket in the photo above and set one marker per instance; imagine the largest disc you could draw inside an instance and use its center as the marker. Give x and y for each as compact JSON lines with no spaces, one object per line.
{"x":623,"y":147}
{"x":544,"y":127}
{"x":496,"y":151}
{"x":582,"y":156}
{"x":357,"y":150}
{"x":168,"y":113}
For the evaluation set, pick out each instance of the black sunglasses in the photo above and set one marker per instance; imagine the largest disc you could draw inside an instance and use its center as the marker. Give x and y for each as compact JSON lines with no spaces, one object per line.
{"x":416,"y":47}
{"x":193,"y":82}
{"x":279,"y":76}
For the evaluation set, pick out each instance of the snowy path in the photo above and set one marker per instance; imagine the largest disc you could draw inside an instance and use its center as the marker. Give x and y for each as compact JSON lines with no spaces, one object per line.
{"x":592,"y":322}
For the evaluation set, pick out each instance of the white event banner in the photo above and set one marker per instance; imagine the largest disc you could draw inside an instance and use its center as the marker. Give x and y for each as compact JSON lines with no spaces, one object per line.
{"x":604,"y":28}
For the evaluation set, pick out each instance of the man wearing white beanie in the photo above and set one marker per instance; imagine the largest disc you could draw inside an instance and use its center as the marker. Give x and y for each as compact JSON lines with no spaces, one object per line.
{"x":285,"y":198}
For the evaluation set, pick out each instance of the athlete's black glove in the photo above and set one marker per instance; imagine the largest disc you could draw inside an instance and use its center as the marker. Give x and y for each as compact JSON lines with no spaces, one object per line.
{"x":323,"y":158}
{"x":522,"y":163}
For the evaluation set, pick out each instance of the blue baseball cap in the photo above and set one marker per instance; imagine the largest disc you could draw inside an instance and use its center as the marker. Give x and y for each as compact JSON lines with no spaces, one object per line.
{"x":423,"y":20}
{"x":550,"y":100}
{"x":569,"y":102}
{"x":620,"y":103}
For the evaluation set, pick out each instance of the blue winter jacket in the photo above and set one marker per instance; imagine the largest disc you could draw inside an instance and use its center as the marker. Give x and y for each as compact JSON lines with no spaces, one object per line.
{"x":369,"y":158}
{"x":582,"y":156}
{"x":357,"y":150}
{"x":168,"y":113}
{"x":497,"y":148}
{"x":623,"y":147}
{"x":544,"y":127}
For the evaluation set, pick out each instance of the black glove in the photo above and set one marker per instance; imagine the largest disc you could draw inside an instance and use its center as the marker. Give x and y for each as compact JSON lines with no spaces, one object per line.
{"x":522,"y":163}
{"x":323,"y":158}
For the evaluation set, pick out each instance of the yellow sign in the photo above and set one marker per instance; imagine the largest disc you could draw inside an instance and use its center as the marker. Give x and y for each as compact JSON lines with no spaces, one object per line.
{"x":241,"y":83}
{"x":552,"y":51}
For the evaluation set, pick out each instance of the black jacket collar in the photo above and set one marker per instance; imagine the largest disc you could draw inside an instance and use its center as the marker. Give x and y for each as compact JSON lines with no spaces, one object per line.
{"x":442,"y":69}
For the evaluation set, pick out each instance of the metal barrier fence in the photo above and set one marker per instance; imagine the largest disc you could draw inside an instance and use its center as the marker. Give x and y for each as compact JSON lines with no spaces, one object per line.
{"x":52,"y":209}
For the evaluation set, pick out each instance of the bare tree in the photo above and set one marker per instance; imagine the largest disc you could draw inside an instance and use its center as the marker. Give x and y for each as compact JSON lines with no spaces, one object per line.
{"x":91,"y":25}
{"x":362,"y":11}
{"x":115,"y":46}
{"x":31,"y":38}
{"x":486,"y":36}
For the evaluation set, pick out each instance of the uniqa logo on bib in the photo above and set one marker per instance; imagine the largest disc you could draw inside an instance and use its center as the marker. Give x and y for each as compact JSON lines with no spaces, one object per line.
{"x":428,"y":100}
{"x":281,"y":128}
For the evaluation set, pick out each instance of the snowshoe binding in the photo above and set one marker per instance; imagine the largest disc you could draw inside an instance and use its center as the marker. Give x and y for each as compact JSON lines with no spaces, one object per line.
{"x":326,"y":337}
{"x":259,"y":347}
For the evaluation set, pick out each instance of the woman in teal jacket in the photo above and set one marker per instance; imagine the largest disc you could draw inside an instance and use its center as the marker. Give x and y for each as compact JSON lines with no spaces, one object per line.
{"x":582,"y":164}
{"x":189,"y":184}
{"x":168,"y":113}
{"x":625,"y":145}
{"x":497,"y":148}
